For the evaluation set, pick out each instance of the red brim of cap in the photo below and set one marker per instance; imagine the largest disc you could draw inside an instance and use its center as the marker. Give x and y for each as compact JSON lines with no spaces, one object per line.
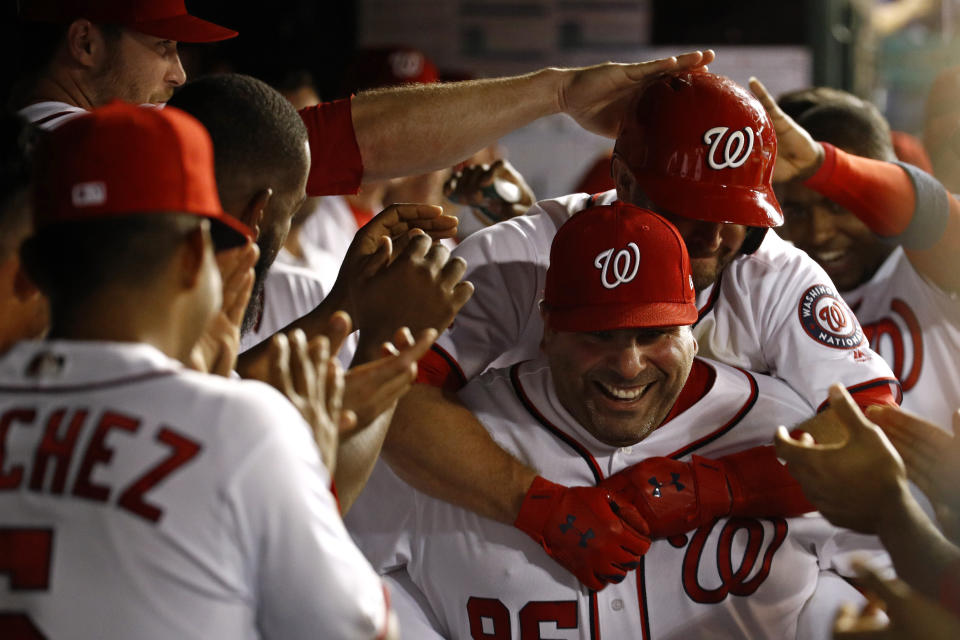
{"x":185,"y":28}
{"x":712,"y":203}
{"x":622,"y":316}
{"x":227,"y":232}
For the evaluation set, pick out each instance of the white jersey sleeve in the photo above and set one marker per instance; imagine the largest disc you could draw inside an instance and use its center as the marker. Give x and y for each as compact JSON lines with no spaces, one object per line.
{"x":507,"y":264}
{"x":308,"y":572}
{"x":777,"y":312}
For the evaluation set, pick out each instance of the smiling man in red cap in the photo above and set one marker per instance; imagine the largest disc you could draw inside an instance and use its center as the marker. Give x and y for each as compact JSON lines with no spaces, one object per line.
{"x":141,"y":499}
{"x":617,"y":399}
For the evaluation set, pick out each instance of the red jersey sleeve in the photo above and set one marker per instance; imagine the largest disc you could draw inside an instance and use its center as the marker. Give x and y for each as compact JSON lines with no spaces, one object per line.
{"x":438,"y":369}
{"x":336,"y":167}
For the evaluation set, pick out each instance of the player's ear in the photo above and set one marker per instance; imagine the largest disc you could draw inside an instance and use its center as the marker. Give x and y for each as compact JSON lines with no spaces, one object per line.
{"x":85,"y":43}
{"x":193,"y":254}
{"x":254,"y":210}
{"x":23,"y":287}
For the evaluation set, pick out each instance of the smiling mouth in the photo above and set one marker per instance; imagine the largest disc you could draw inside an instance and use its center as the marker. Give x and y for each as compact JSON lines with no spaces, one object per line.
{"x":622,"y":393}
{"x":829,"y":256}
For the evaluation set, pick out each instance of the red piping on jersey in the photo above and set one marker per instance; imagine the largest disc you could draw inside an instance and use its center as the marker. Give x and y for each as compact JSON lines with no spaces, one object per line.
{"x":871,"y":392}
{"x":699,"y":382}
{"x":642,"y":599}
{"x":563,"y":436}
{"x":52,"y":116}
{"x":439,"y":369}
{"x":712,"y":300}
{"x":734,"y":421}
{"x":90,"y":386}
{"x":386,"y":619}
{"x":594,"y":616}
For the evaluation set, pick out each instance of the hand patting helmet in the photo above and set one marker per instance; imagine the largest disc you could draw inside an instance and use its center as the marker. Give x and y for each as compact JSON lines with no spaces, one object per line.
{"x":702,"y":147}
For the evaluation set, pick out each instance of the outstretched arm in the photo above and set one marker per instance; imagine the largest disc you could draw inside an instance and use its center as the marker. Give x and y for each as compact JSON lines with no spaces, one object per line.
{"x":861,"y":483}
{"x":899,"y":203}
{"x":403,"y":131}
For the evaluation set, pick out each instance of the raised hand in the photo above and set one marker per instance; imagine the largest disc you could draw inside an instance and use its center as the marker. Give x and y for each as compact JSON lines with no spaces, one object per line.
{"x":374,"y":387}
{"x":372,"y":247}
{"x":851,"y":481}
{"x":474,"y":186}
{"x":313,"y":382}
{"x":932,"y":459}
{"x":910,"y":614}
{"x":216,"y":350}
{"x":421,"y":289}
{"x":596,"y":97}
{"x":798,"y":154}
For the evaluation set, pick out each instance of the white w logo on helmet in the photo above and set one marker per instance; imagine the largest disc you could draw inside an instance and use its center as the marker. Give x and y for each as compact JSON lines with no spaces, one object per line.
{"x":735,"y":151}
{"x":625,"y":265}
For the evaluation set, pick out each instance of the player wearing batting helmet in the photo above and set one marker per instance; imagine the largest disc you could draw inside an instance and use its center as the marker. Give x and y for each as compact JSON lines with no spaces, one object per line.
{"x":618,"y":398}
{"x":699,"y":150}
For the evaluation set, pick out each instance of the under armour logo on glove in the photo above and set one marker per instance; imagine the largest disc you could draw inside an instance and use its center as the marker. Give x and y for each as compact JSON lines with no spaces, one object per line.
{"x":675,"y":480}
{"x":584,"y":535}
{"x":582,"y":528}
{"x":625,"y":265}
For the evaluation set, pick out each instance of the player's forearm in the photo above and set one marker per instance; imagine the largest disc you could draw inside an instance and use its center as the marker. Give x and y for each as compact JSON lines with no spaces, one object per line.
{"x":356,"y":458}
{"x":899,"y":203}
{"x":919,"y":551}
{"x":415,"y":129}
{"x":439,"y":447}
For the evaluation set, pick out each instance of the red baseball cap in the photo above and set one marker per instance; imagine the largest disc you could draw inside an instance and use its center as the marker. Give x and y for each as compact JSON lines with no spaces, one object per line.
{"x":122,"y":160}
{"x":618,"y":266}
{"x":387,"y":67}
{"x":159,"y":18}
{"x":702,"y":147}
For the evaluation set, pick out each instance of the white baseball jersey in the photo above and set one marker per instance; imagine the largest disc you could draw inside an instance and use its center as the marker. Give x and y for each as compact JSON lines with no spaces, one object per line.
{"x":289,"y":293}
{"x":50,"y":114}
{"x":331,"y":226}
{"x":736,"y":578}
{"x":142,"y":500}
{"x":774,"y":311}
{"x":915,"y":326}
{"x":317,"y":261}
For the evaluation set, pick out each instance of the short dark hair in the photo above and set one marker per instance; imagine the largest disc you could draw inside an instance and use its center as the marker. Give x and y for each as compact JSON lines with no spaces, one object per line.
{"x":797,"y":102}
{"x":69,"y":261}
{"x":254,"y":128}
{"x":17,"y":141}
{"x":859,"y":130}
{"x":842,"y":119}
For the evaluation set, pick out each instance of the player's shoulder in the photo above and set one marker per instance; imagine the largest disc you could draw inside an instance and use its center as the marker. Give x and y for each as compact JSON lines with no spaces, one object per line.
{"x":776,"y":269}
{"x":529,"y":235}
{"x":754,"y":390}
{"x":774,"y":255}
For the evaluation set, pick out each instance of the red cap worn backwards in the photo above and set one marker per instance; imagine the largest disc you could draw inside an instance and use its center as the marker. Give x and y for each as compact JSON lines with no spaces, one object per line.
{"x":159,"y":18}
{"x":618,"y":266}
{"x":122,"y":160}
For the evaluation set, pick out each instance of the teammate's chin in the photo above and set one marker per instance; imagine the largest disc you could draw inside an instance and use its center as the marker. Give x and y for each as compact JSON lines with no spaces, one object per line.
{"x":620,"y":423}
{"x":707,"y":270}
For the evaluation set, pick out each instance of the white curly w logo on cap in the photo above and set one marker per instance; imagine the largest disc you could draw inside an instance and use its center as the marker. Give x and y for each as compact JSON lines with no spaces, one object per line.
{"x":735,"y":151}
{"x":625,"y":265}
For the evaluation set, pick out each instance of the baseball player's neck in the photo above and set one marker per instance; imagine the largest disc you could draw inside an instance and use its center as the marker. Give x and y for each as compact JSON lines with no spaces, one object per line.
{"x":130,"y":317}
{"x":65,"y":88}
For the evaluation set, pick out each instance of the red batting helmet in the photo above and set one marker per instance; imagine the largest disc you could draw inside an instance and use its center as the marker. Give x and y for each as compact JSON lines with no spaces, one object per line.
{"x":702,"y":147}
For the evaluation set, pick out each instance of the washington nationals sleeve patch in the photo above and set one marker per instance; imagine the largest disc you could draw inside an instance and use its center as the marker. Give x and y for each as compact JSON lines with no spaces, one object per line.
{"x":827,"y":319}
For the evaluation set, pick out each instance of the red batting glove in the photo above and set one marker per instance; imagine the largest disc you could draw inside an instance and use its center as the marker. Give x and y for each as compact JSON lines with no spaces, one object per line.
{"x":675,"y":497}
{"x":594,"y":537}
